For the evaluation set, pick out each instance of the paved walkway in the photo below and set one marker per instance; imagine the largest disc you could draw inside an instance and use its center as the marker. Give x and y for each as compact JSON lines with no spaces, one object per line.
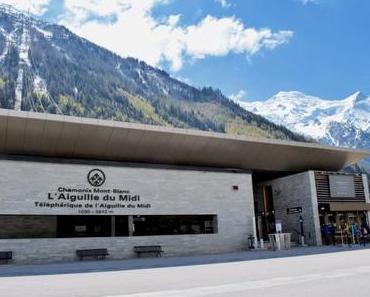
{"x":300,"y":272}
{"x":161,"y":262}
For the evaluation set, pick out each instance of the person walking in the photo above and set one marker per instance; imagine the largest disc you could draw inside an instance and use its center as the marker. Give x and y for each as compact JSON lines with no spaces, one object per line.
{"x":348,"y":234}
{"x":363,"y":235}
{"x":325,"y":231}
{"x":333,"y":230}
{"x":354,"y":232}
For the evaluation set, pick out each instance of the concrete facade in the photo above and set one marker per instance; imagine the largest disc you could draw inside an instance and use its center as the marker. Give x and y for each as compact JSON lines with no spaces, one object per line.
{"x":166,"y":191}
{"x":365,"y":182}
{"x":366,"y":187}
{"x":297,"y":190}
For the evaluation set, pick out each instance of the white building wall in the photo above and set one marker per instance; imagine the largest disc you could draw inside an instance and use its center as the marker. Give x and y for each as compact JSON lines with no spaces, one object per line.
{"x":168,"y":191}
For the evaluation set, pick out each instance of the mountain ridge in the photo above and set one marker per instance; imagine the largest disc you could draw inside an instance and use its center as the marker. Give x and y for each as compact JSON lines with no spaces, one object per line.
{"x":45,"y":67}
{"x":315,"y":117}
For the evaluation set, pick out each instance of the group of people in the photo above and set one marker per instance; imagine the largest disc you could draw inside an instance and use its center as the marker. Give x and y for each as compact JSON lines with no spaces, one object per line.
{"x":350,"y":234}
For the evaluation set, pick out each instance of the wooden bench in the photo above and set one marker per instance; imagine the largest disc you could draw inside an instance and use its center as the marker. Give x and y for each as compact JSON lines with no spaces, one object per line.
{"x":148,"y":249}
{"x":92,"y":253}
{"x":6,"y":256}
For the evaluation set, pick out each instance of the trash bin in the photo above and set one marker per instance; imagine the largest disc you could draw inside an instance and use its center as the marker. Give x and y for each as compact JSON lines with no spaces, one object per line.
{"x":280,"y":241}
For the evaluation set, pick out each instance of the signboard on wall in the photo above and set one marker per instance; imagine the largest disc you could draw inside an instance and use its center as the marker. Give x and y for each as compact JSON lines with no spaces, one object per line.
{"x":342,"y":186}
{"x":71,"y":189}
{"x":45,"y":188}
{"x":292,"y":210}
{"x":91,"y":199}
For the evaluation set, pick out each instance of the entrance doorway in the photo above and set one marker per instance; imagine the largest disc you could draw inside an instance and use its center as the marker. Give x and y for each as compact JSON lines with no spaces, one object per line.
{"x":266,"y":215}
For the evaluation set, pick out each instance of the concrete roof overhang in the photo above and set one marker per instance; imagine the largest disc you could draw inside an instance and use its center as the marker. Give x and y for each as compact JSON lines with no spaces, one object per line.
{"x":41,"y":134}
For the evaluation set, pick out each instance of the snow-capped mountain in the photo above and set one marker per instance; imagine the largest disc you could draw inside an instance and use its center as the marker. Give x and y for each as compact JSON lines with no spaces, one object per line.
{"x":344,"y":122}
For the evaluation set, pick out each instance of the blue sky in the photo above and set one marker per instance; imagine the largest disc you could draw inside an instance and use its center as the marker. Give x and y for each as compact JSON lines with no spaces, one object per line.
{"x":254,"y":48}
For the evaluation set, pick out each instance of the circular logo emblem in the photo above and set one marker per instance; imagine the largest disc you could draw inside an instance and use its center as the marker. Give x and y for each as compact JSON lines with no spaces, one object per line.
{"x":96,"y":177}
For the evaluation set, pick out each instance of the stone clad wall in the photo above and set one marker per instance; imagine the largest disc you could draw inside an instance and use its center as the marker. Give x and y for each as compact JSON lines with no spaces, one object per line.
{"x":63,"y":249}
{"x":169,"y":191}
{"x":297,"y":190}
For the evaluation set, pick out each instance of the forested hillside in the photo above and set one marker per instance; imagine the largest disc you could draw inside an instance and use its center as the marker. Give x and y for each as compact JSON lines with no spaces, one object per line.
{"x":46,"y":68}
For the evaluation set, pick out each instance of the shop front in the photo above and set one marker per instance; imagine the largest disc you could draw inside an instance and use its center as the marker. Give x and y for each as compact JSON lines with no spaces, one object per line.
{"x":323,"y":207}
{"x":340,"y":223}
{"x":344,"y":206}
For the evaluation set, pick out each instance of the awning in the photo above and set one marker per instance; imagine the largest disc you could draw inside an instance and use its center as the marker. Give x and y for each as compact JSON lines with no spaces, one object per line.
{"x":48,"y":135}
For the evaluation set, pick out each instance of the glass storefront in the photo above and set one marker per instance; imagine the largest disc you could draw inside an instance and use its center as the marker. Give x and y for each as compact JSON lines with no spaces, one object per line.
{"x":340,"y":227}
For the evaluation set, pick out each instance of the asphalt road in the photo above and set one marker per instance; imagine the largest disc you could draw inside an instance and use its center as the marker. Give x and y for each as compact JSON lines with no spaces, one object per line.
{"x":345,"y":273}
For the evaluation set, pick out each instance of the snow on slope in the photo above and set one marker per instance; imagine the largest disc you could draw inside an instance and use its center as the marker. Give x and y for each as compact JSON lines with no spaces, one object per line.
{"x":343,"y":122}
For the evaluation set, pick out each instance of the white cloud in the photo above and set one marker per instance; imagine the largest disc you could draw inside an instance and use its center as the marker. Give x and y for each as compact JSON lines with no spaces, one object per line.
{"x":308,"y":1}
{"x":240,"y":96}
{"x":138,"y":34}
{"x":36,"y":7}
{"x":223,"y":3}
{"x":219,"y":37}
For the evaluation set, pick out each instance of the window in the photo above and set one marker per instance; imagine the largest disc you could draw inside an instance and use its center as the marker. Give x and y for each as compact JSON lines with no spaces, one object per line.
{"x":174,"y":224}
{"x":12,"y":226}
{"x":121,"y":226}
{"x":66,"y":226}
{"x":83,"y":226}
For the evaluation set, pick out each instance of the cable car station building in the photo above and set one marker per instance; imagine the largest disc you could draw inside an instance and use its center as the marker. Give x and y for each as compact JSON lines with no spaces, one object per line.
{"x":70,"y":183}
